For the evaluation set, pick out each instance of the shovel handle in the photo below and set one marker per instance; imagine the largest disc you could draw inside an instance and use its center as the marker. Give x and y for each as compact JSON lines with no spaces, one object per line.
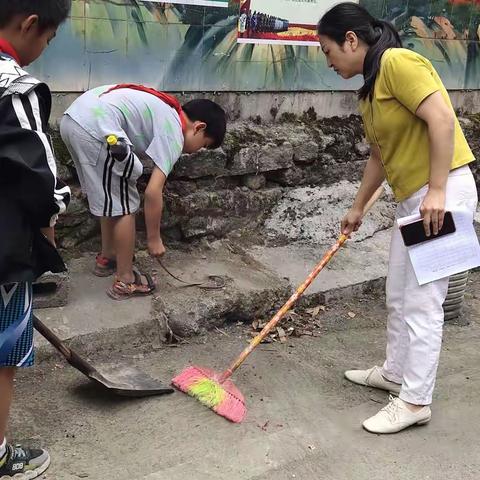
{"x":298,"y":293}
{"x":72,"y":358}
{"x":51,"y":337}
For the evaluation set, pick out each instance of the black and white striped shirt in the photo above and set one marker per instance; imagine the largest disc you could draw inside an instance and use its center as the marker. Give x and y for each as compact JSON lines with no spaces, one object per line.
{"x":31,"y":195}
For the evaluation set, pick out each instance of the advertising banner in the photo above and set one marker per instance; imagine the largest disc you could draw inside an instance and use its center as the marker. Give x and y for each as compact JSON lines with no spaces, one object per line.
{"x":205,"y":3}
{"x":286,"y":22}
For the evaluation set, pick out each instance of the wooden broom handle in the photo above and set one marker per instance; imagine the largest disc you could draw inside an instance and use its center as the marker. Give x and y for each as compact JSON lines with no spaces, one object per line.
{"x":298,"y":293}
{"x":373,"y":199}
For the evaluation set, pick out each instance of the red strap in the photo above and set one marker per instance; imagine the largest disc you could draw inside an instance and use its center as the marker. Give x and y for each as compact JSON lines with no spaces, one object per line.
{"x":170,"y":100}
{"x":6,"y":47}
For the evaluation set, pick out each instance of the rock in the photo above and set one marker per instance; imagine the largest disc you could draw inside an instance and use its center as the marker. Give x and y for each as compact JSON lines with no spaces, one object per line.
{"x":314,"y":214}
{"x":342,"y":148}
{"x":218,"y":183}
{"x":65,"y":173}
{"x":306,"y":153}
{"x":326,"y":141}
{"x":250,"y":292}
{"x":254,"y":182}
{"x":362,"y":149}
{"x":219,"y":212}
{"x":77,"y":224}
{"x":197,"y":227}
{"x":289,"y":177}
{"x":222,"y":191}
{"x":205,"y":163}
{"x":257,"y":159}
{"x":182,"y":188}
{"x":51,"y":290}
{"x":75,"y":235}
{"x":465,"y":122}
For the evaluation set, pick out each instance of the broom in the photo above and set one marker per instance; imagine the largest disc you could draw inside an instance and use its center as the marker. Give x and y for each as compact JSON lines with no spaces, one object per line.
{"x":216,"y":391}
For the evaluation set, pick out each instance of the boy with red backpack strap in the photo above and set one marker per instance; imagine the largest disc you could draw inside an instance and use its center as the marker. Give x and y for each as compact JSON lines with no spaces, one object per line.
{"x":108,"y":131}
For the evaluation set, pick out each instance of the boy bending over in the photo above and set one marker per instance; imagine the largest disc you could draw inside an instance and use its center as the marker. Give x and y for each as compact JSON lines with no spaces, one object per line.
{"x":108,"y":131}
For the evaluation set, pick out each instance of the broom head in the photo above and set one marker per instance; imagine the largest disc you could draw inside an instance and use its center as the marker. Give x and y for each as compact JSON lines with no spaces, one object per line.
{"x":223,"y":398}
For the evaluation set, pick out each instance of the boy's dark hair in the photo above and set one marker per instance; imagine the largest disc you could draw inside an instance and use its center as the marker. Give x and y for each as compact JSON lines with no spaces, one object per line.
{"x":51,"y":13}
{"x":378,"y":34}
{"x":212,"y":114}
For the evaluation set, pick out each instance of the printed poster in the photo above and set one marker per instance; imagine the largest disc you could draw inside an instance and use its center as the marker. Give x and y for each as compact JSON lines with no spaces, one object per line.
{"x":205,"y":3}
{"x":285,"y":22}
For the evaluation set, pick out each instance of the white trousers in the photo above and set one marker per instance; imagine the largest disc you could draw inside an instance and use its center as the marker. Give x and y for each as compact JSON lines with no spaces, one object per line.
{"x":415,"y":313}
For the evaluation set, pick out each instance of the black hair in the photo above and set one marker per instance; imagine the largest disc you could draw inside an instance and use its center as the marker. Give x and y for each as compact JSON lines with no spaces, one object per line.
{"x":379,"y":35}
{"x":51,"y":13}
{"x":212,"y":114}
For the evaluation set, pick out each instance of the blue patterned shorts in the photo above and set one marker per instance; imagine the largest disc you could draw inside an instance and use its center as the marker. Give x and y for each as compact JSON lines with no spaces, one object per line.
{"x":16,"y":325}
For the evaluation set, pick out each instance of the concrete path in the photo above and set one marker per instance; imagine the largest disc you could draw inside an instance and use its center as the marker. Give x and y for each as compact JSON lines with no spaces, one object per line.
{"x":89,"y":310}
{"x":358,"y":263}
{"x":304,"y":419}
{"x":257,"y":281}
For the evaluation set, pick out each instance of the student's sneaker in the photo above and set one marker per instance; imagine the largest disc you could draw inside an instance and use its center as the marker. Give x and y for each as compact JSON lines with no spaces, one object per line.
{"x":23,"y":463}
{"x":396,"y":416}
{"x":372,"y":378}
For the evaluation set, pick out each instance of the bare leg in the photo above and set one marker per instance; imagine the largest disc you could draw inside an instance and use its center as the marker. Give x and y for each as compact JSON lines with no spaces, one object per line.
{"x":6,"y":388}
{"x":107,"y":225}
{"x":124,"y":237}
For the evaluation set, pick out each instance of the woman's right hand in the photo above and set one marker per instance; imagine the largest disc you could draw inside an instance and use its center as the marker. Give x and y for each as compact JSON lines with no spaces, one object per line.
{"x":352,"y":221}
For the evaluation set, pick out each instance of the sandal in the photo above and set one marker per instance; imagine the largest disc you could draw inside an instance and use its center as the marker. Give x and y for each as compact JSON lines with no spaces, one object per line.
{"x":104,"y":267}
{"x":123,"y":291}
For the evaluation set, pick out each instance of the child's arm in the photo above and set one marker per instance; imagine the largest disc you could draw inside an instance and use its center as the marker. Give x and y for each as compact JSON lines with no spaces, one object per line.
{"x":153,"y":212}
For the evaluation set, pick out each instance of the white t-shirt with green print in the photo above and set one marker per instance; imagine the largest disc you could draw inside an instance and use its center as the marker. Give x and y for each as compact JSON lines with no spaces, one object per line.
{"x":151,"y":126}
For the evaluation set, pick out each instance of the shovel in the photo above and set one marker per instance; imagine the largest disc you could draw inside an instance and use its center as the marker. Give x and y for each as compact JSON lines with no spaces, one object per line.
{"x":126,"y":381}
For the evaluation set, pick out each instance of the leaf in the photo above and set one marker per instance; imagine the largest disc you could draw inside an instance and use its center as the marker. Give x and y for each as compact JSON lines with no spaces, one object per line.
{"x":316,"y":310}
{"x":255,"y":324}
{"x":281,"y":334}
{"x":295,"y":333}
{"x":351,"y":314}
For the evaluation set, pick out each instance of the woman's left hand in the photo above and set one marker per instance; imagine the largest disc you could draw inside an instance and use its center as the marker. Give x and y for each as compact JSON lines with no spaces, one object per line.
{"x":433,"y":210}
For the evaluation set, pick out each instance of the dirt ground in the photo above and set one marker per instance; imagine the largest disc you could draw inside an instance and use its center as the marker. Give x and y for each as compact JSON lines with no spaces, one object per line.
{"x":304,"y":420}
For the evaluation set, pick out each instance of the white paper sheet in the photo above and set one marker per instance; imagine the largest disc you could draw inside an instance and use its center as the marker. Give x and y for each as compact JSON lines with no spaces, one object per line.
{"x":448,"y":255}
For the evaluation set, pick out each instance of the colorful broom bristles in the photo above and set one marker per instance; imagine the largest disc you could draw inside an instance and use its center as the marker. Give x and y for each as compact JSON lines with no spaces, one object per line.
{"x":223,"y":398}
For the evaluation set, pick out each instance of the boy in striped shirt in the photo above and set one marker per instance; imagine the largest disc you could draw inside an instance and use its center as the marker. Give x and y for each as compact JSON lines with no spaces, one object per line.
{"x":31,"y":198}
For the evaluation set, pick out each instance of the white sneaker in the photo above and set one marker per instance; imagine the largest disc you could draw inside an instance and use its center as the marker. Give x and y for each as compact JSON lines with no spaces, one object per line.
{"x":395,"y":417}
{"x":372,"y":378}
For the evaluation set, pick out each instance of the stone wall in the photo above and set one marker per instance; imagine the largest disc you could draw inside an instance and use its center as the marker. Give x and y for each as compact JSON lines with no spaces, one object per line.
{"x":211,"y":194}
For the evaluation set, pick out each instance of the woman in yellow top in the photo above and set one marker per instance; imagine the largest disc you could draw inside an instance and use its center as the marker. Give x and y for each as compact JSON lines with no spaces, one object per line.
{"x":418,"y":146}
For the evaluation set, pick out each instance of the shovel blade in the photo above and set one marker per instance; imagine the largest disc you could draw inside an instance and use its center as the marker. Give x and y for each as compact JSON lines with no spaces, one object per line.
{"x":128,"y":381}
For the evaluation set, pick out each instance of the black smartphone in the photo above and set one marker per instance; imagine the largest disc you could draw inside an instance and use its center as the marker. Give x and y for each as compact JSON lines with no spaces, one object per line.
{"x":414,"y":233}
